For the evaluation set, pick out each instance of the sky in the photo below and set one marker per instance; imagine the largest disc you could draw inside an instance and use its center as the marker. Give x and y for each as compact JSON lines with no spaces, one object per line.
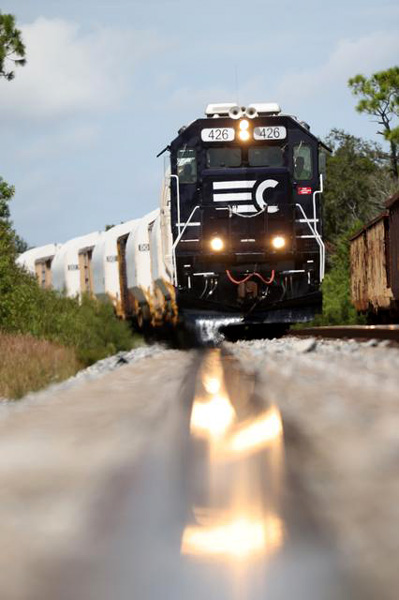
{"x":108,"y":84}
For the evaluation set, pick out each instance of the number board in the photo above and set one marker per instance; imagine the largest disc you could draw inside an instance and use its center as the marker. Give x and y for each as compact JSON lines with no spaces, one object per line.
{"x":218,"y":134}
{"x":270,"y":133}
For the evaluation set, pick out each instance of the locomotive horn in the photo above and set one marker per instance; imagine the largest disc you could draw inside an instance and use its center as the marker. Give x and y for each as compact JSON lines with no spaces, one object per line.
{"x":251,"y":112}
{"x":236,"y":112}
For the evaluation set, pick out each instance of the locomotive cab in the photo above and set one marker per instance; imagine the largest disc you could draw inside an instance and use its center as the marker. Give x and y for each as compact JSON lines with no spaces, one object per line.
{"x":245,"y":215}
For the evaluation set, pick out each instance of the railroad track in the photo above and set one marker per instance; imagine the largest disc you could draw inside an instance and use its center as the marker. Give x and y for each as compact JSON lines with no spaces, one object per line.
{"x":360,"y":332}
{"x":220,"y":474}
{"x":207,"y":504}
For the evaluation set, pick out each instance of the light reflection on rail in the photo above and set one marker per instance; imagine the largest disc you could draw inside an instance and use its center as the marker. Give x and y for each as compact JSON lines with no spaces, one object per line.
{"x":236,"y":523}
{"x":239,"y":538}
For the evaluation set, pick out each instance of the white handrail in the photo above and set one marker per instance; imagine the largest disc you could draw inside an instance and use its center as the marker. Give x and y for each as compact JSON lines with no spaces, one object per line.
{"x":319,"y":191}
{"x":319,"y":241}
{"x":177,"y":240}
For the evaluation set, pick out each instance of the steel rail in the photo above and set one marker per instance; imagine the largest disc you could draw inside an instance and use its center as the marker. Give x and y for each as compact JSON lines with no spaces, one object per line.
{"x":361,"y":332}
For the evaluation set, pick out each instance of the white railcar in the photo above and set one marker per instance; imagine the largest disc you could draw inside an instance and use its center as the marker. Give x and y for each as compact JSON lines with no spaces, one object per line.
{"x":138,"y":268}
{"x":105,"y":264}
{"x":162,"y":293}
{"x":38,"y":262}
{"x":71,"y":265}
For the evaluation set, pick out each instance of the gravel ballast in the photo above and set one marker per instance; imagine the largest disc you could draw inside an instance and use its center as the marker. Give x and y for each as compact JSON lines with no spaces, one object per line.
{"x":340,"y":406}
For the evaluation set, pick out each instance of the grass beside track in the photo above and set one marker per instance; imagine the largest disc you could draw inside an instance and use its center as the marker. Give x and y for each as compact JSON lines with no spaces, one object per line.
{"x":28,"y":364}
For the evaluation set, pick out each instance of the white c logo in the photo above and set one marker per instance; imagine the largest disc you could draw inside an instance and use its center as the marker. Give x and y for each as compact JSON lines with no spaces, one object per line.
{"x":268,"y":183}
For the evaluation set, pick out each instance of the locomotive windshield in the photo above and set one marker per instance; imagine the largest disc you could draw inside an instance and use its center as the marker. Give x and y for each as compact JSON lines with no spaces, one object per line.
{"x":258,"y":156}
{"x":218,"y":158}
{"x":265,"y":156}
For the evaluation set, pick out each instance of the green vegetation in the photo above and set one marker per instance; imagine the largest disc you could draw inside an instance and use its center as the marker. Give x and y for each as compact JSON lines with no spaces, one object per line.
{"x":337,"y":306}
{"x":358,"y":183}
{"x":355,"y":170}
{"x":90,"y":327}
{"x":68,"y":335}
{"x":360,"y":178}
{"x":379,"y":97}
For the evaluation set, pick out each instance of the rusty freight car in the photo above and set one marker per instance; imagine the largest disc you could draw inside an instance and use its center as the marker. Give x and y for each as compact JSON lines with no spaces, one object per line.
{"x":374,"y":256}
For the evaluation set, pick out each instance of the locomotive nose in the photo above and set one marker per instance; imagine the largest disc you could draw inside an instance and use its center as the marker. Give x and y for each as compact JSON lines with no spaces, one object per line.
{"x":246,"y":211}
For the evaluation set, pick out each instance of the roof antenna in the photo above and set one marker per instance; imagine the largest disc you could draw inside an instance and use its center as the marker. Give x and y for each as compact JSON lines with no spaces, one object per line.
{"x":236,"y":81}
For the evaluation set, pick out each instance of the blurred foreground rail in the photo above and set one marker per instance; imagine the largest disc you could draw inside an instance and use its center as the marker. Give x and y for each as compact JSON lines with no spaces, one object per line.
{"x":361,"y":332}
{"x":228,"y":474}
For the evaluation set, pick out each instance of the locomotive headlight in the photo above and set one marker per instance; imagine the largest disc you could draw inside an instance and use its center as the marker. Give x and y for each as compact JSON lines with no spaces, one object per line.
{"x":243,"y":134}
{"x":278,"y":242}
{"x":217,"y":244}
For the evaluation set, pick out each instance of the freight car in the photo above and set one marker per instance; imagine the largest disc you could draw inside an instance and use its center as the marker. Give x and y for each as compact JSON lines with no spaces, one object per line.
{"x":38,"y":262}
{"x":238,"y":234}
{"x":374,"y":257}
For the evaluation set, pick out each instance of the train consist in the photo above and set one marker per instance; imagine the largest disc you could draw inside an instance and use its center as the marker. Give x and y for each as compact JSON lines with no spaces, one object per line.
{"x":374,"y":257}
{"x":238,"y":233}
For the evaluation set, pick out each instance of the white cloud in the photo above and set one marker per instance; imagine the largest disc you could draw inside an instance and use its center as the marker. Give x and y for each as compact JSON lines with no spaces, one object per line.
{"x":70,"y":72}
{"x":364,"y":55}
{"x":300,"y":89}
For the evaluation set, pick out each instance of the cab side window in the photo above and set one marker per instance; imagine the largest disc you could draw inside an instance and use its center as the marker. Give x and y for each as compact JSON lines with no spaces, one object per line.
{"x":187,"y":166}
{"x":322,"y":162}
{"x":303,"y":167}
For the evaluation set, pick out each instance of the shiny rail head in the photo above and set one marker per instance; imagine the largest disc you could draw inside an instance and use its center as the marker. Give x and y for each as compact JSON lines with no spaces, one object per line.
{"x":232,"y":522}
{"x":236,"y":537}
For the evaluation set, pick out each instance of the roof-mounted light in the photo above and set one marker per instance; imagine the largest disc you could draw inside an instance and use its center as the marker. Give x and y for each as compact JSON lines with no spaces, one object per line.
{"x":219,"y":110}
{"x":234,"y":111}
{"x":251,"y":112}
{"x":265,"y":108}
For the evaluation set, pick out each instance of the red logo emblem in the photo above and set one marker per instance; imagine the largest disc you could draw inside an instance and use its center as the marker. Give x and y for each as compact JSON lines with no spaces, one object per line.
{"x":304,"y":190}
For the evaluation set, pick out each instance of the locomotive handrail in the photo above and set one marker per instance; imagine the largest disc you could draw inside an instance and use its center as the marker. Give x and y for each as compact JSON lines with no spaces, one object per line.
{"x":178,"y":198}
{"x":318,"y":239}
{"x":319,"y":191}
{"x":177,"y":240}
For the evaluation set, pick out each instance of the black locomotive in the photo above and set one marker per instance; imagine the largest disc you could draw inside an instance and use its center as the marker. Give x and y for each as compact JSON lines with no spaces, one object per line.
{"x":246,"y":216}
